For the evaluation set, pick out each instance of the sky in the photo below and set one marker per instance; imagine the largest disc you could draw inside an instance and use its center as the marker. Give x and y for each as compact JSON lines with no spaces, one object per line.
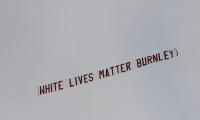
{"x":44,"y":41}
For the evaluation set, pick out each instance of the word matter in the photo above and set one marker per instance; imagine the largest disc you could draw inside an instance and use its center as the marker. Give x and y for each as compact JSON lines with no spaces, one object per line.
{"x":107,"y":72}
{"x":117,"y":69}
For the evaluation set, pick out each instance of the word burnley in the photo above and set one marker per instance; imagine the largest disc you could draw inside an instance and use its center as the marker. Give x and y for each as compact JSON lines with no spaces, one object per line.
{"x":107,"y":72}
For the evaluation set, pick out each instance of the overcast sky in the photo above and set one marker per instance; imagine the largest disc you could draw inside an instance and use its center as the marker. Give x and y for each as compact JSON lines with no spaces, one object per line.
{"x":43,"y":41}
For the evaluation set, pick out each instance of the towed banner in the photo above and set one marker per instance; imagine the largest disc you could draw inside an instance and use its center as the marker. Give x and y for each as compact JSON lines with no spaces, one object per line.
{"x":107,"y":72}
